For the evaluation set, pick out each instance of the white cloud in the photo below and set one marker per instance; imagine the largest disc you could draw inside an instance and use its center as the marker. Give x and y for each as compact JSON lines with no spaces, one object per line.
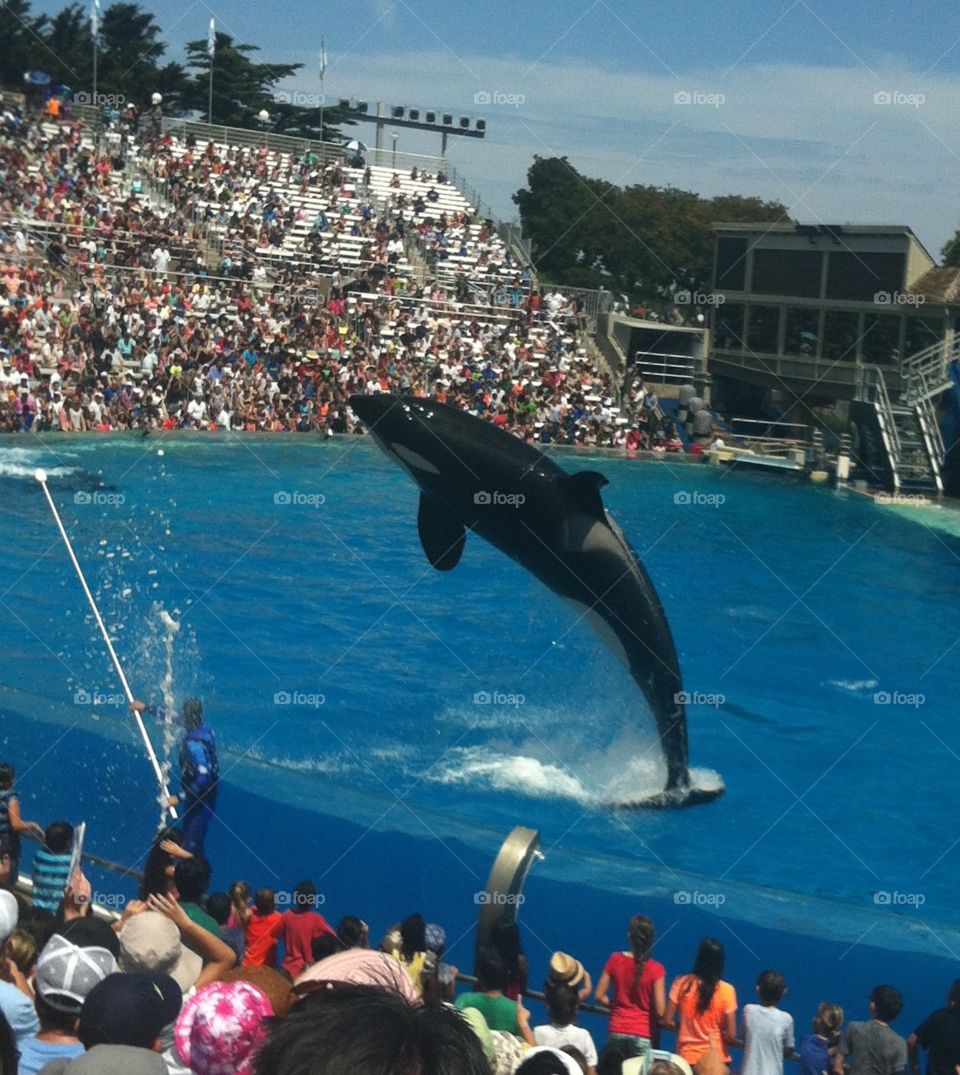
{"x":819,"y":139}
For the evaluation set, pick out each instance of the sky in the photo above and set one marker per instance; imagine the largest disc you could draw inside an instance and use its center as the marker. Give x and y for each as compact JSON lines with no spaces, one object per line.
{"x":846,"y":113}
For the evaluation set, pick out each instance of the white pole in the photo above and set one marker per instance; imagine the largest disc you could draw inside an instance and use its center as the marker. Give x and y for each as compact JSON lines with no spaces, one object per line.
{"x":41,"y":476}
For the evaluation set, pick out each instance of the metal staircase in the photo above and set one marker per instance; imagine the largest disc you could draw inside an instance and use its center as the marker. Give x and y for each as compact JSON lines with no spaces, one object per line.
{"x":909,"y":429}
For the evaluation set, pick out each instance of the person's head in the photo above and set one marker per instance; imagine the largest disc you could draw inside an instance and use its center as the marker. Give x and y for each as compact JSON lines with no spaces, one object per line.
{"x":151,"y":944}
{"x":664,"y":1067}
{"x":7,"y":776}
{"x":129,"y":1009}
{"x":66,"y":975}
{"x":192,"y":878}
{"x":562,"y":1002}
{"x":192,"y":713}
{"x":579,"y":1059}
{"x":610,"y":1059}
{"x":413,"y":936}
{"x":953,"y":996}
{"x":491,"y":969}
{"x":885,"y":1003}
{"x":218,"y":907}
{"x":771,"y":987}
{"x":58,"y":837}
{"x":221,"y":1028}
{"x":366,"y":1030}
{"x":708,"y":967}
{"x":22,"y":948}
{"x":240,"y":895}
{"x":305,"y":897}
{"x":828,"y":1021}
{"x":325,"y":945}
{"x":505,"y":937}
{"x":265,"y":901}
{"x":545,"y":1060}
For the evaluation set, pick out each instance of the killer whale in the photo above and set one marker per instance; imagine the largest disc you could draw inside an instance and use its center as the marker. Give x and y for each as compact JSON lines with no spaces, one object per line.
{"x":474,"y":476}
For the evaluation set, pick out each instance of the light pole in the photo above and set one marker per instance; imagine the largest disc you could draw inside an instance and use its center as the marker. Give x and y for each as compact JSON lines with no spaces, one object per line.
{"x":156,"y":114}
{"x":394,"y":137}
{"x":263,"y":118}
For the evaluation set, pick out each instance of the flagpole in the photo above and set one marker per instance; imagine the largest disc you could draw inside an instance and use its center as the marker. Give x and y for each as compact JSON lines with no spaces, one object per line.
{"x":211,"y":49}
{"x":323,"y":70}
{"x":96,"y":41}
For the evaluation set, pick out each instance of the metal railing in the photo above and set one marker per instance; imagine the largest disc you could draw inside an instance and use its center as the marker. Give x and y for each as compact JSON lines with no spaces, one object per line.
{"x":653,"y":366}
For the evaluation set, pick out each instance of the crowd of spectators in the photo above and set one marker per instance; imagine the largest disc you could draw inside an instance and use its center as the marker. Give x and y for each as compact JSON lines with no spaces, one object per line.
{"x":116,"y":313}
{"x":260,"y":983}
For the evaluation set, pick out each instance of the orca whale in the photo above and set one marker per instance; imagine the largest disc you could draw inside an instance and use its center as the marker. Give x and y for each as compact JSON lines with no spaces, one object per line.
{"x":474,"y":476}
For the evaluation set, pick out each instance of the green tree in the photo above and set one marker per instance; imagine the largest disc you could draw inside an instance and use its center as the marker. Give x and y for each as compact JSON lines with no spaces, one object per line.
{"x":241,"y":87}
{"x":24,"y":47}
{"x":130,"y":51}
{"x":69,"y":48}
{"x":950,"y":254}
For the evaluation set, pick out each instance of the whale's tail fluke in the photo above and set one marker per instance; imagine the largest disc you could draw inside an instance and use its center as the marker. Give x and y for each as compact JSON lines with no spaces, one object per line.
{"x":672,"y":798}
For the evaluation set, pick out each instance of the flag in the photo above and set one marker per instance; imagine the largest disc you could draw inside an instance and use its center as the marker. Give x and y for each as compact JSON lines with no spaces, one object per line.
{"x":95,"y":18}
{"x":212,"y":39}
{"x":323,"y":60}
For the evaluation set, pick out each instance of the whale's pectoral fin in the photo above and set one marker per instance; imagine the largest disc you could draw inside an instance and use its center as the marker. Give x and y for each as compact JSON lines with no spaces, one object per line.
{"x":582,"y":490}
{"x":442,"y":535}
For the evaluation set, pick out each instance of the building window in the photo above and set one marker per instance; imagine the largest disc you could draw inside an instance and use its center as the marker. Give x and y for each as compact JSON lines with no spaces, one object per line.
{"x":731,"y":264}
{"x":728,"y":332}
{"x":880,"y":345}
{"x":839,"y":336}
{"x":763,"y":328}
{"x":802,"y":332}
{"x":787,"y":272}
{"x":922,"y":332}
{"x":862,"y":277}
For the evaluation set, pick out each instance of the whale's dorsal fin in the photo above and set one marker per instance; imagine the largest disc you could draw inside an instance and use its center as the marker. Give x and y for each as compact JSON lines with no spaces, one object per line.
{"x":583,"y":492}
{"x":442,"y":535}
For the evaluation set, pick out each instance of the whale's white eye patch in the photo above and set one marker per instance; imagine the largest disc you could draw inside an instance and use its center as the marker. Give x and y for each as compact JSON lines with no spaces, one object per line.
{"x":412,"y":459}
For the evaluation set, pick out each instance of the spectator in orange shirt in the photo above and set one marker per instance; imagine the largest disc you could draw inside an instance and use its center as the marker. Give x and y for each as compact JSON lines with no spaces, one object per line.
{"x":262,"y":931}
{"x":706,"y":1005}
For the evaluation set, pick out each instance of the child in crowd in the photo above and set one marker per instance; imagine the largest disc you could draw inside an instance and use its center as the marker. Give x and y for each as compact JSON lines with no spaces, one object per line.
{"x":702,"y":1008}
{"x":263,"y":928}
{"x":767,"y":1031}
{"x":563,"y":1003}
{"x":302,"y":924}
{"x":873,"y":1048}
{"x":12,"y":824}
{"x":51,"y":866}
{"x":940,"y":1033}
{"x":818,"y":1049}
{"x":636,"y":981}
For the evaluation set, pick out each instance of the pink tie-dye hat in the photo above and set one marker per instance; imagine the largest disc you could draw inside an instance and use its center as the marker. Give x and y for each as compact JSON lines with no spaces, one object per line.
{"x":221,"y":1028}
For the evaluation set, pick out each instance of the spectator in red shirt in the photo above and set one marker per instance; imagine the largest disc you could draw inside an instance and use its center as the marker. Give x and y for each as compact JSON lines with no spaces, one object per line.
{"x":262,"y":931}
{"x":301,"y":925}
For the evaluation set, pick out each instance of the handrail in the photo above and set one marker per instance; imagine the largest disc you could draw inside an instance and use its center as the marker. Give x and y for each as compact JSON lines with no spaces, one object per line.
{"x":97,"y":860}
{"x":536,"y":994}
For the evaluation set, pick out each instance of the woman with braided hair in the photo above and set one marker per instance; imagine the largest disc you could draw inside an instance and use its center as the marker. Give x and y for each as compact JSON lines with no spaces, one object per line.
{"x":637,"y":982}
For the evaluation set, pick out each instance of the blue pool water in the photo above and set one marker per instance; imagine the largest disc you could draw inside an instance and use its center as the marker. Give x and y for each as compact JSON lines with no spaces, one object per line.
{"x":384,"y":726}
